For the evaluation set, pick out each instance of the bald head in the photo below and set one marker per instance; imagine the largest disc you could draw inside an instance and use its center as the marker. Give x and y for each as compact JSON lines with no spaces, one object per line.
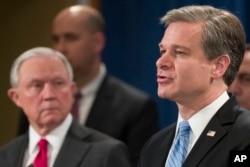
{"x":78,"y":32}
{"x":86,"y":16}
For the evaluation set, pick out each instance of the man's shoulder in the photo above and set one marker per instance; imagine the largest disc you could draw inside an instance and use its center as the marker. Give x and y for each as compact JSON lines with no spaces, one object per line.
{"x":13,"y":147}
{"x":243,"y":118}
{"x":89,"y":135}
{"x":22,"y":139}
{"x":97,"y":136}
{"x":162,"y":136}
{"x":102,"y":142}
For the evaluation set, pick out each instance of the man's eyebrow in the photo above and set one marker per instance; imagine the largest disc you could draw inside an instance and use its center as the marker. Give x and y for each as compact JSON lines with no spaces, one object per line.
{"x":175,"y":46}
{"x":244,"y":73}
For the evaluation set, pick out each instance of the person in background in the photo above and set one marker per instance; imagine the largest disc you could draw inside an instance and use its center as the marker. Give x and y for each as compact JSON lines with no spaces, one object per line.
{"x":107,"y":104}
{"x":41,"y":80}
{"x":200,"y":53}
{"x":241,"y":84}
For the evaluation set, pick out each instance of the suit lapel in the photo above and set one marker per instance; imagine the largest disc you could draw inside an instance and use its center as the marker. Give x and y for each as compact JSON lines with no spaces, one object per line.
{"x":205,"y":143}
{"x":72,"y":153}
{"x":219,"y":124}
{"x":164,"y":148}
{"x":74,"y":148}
{"x":103,"y":99}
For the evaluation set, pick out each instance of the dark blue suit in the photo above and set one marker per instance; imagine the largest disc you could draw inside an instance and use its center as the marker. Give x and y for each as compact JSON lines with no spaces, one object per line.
{"x":232,"y":126}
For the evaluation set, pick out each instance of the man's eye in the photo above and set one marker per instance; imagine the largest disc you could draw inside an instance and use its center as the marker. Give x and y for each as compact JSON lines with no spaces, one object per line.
{"x":59,"y":83}
{"x":162,"y":52}
{"x":55,"y":39}
{"x":36,"y":85}
{"x":244,"y":78}
{"x":179,"y":52}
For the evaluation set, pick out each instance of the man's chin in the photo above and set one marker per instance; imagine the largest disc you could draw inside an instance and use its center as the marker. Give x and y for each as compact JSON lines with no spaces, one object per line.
{"x":51,"y":121}
{"x":163,"y":94}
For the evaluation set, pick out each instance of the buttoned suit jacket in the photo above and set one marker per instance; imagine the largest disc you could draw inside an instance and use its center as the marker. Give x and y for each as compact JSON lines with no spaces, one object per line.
{"x":82,"y":147}
{"x":122,"y":112}
{"x":231,"y":125}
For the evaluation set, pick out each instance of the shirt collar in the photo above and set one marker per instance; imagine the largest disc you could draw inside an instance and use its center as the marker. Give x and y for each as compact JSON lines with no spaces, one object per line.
{"x":55,"y":138}
{"x":93,"y":85}
{"x":199,"y":121}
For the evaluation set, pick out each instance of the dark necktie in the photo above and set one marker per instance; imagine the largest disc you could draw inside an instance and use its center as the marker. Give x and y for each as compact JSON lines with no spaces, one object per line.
{"x":41,"y":159}
{"x":75,"y":106}
{"x":179,"y":151}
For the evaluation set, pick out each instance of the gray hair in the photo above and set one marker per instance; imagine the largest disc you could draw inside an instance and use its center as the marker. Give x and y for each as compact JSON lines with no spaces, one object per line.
{"x":36,"y":52}
{"x":223,"y":33}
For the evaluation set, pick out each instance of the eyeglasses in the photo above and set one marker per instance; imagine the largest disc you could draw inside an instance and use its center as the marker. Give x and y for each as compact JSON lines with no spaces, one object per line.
{"x":243,"y":78}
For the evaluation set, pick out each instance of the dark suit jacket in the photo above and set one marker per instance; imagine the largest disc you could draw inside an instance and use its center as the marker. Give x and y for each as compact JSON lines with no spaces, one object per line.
{"x":232,"y":126}
{"x":122,"y":112}
{"x":82,"y":147}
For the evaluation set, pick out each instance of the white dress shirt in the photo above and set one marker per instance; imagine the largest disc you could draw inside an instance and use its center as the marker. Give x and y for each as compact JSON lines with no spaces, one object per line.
{"x":199,"y":121}
{"x":55,"y":139}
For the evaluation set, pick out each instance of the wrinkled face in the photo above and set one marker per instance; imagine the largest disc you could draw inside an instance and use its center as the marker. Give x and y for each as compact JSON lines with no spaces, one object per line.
{"x":70,"y":37}
{"x":241,"y":84}
{"x":44,"y":91}
{"x":183,"y":72}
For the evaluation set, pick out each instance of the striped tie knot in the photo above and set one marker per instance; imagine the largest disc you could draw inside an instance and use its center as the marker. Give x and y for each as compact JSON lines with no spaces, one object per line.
{"x":179,"y":149}
{"x":184,"y":128}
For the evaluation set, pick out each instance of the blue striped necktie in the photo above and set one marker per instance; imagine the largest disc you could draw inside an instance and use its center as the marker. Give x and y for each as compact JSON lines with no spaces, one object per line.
{"x":179,"y":150}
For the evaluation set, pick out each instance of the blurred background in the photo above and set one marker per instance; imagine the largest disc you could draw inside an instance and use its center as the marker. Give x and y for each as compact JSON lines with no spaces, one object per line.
{"x":133,"y":33}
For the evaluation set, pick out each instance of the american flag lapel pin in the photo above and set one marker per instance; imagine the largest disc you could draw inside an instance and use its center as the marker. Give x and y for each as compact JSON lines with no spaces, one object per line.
{"x":211,"y":133}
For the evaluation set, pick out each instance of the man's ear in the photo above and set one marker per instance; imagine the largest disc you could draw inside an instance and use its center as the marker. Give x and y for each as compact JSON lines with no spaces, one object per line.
{"x":14,"y":96}
{"x":220,"y":66}
{"x":99,"y":40}
{"x":73,"y":87}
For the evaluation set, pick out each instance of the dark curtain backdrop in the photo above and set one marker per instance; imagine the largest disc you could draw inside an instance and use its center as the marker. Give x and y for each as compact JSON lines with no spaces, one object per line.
{"x":133,"y":33}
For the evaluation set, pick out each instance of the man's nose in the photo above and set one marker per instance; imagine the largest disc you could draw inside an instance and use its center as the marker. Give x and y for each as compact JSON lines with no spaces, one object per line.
{"x":48,"y":91}
{"x":164,"y":62}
